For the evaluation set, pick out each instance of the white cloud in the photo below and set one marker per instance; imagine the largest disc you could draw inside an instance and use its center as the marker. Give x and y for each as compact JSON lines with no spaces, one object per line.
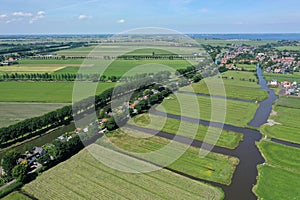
{"x":121,"y":21}
{"x":3,"y":16}
{"x":22,"y":14}
{"x":39,"y":15}
{"x":10,"y":21}
{"x":83,"y":17}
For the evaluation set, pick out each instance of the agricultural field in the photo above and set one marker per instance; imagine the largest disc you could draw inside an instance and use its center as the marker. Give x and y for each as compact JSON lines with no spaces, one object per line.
{"x":278,"y":178}
{"x":228,"y":139}
{"x":286,"y":113}
{"x":130,"y":67}
{"x":233,"y":109}
{"x":231,"y":90}
{"x":12,"y":112}
{"x":250,"y":67}
{"x":16,"y":196}
{"x":84,"y":177}
{"x":291,"y":102}
{"x":282,"y":132}
{"x":223,"y":43}
{"x":281,"y":77}
{"x":287,"y":116}
{"x":289,"y":48}
{"x":276,"y":183}
{"x":240,"y":78}
{"x":213,"y":167}
{"x":51,"y":92}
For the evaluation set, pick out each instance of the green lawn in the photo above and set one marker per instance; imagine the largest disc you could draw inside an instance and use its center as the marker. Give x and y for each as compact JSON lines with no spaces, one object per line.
{"x":281,"y":77}
{"x":231,"y":91}
{"x":227,"y":139}
{"x":276,"y":183}
{"x":289,"y":48}
{"x":240,"y":78}
{"x":50,"y":61}
{"x":84,"y":177}
{"x":16,"y":196}
{"x":12,"y":113}
{"x":281,"y":132}
{"x":46,"y":91}
{"x":214,"y":167}
{"x":237,"y":113}
{"x":246,"y":67}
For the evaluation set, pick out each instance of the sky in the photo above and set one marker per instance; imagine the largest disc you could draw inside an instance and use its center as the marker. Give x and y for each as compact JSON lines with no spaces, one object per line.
{"x":114,"y":16}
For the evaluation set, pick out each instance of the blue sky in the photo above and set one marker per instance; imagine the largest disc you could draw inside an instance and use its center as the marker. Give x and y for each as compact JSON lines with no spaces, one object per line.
{"x":187,"y":16}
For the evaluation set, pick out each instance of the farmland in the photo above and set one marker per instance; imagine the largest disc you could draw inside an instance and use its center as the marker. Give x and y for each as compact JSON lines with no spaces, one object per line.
{"x":287,"y":116}
{"x":233,"y":109}
{"x":280,"y":171}
{"x":250,"y":67}
{"x":281,"y":77}
{"x":282,"y":132}
{"x":83,"y":177}
{"x":290,"y":102}
{"x":214,"y":167}
{"x":231,"y":91}
{"x":60,"y":92}
{"x":16,"y":196}
{"x":12,"y":113}
{"x":228,"y":139}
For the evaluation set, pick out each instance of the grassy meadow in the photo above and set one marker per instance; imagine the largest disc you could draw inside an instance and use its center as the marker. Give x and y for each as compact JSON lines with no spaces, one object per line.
{"x":278,"y":177}
{"x":233,"y":109}
{"x":16,"y":196}
{"x":84,"y":177}
{"x":228,"y":139}
{"x":58,"y":92}
{"x":12,"y":113}
{"x":214,"y":167}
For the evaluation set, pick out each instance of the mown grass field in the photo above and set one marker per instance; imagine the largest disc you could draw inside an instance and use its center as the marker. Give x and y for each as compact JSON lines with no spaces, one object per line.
{"x":279,"y":177}
{"x":84,"y":177}
{"x":291,"y":102}
{"x":281,"y":77}
{"x":58,"y":92}
{"x":237,"y":113}
{"x":277,"y":183}
{"x":223,"y":42}
{"x":250,"y":67}
{"x":287,"y":116}
{"x":16,"y":196}
{"x":214,"y":167}
{"x":240,"y":78}
{"x":282,"y":132}
{"x":12,"y":113}
{"x":128,"y":67}
{"x":289,"y":48}
{"x":228,"y":139}
{"x":231,"y":91}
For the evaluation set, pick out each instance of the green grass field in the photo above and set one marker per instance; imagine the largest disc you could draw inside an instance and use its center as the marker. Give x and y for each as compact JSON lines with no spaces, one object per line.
{"x":12,"y":113}
{"x":46,"y":91}
{"x":231,"y":91}
{"x":228,"y":139}
{"x":281,"y":132}
{"x":84,"y":177}
{"x":277,"y":183}
{"x":287,"y":116}
{"x":279,"y":177}
{"x":130,"y":67}
{"x":233,"y":109}
{"x":291,"y":102}
{"x":236,"y":78}
{"x":281,"y":77}
{"x":16,"y":196}
{"x":246,"y":67}
{"x":222,"y":42}
{"x":214,"y":167}
{"x":289,"y":48}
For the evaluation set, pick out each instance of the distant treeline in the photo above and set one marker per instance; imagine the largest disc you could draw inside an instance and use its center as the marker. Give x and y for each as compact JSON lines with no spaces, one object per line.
{"x":77,"y":77}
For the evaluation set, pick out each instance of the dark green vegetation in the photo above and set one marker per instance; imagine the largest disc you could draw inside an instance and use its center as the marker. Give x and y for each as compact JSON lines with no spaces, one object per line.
{"x":233,"y":109}
{"x":214,"y":167}
{"x":12,"y":113}
{"x":16,"y":196}
{"x":228,"y":139}
{"x":82,"y":176}
{"x":279,"y":177}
